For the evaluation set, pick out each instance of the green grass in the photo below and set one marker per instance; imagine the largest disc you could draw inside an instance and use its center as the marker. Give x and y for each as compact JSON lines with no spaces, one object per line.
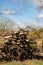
{"x":38,"y":63}
{"x":30,"y":62}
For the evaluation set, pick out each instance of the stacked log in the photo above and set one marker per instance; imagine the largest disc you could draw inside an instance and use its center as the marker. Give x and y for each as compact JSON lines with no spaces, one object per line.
{"x":18,"y":47}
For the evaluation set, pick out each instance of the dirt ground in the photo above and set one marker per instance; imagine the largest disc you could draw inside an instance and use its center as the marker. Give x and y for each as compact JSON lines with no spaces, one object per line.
{"x":26,"y":62}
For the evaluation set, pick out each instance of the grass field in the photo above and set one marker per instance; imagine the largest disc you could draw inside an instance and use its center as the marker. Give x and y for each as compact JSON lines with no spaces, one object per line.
{"x":27,"y":62}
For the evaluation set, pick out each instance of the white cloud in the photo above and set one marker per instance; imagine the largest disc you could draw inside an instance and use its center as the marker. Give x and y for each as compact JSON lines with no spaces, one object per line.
{"x":21,"y":24}
{"x":40,"y":15}
{"x":39,"y":4}
{"x":37,"y":23}
{"x":7,"y":12}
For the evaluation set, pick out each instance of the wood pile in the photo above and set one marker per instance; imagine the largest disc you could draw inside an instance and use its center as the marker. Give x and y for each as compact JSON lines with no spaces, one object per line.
{"x":18,"y":47}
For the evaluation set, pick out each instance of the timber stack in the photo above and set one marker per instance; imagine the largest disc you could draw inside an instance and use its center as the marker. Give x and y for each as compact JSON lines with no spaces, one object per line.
{"x":18,"y":47}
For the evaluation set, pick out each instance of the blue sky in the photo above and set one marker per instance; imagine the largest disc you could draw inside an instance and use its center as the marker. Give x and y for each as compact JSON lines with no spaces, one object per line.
{"x":22,"y":12}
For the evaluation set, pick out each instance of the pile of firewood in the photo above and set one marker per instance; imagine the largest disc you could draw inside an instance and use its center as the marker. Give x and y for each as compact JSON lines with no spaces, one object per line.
{"x":18,"y":47}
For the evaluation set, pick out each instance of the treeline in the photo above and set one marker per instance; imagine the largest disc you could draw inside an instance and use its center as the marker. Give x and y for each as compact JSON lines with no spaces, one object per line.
{"x":8,"y":27}
{"x":34,"y":33}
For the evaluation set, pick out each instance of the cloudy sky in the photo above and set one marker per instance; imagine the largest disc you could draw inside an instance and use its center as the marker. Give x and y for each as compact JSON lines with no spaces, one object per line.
{"x":23,"y":12}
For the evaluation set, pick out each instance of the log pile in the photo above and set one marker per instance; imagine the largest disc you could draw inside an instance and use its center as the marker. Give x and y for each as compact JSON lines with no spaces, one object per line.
{"x":18,"y":47}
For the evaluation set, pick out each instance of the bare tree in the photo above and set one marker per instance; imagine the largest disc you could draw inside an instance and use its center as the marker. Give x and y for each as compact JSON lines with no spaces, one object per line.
{"x":6,"y":24}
